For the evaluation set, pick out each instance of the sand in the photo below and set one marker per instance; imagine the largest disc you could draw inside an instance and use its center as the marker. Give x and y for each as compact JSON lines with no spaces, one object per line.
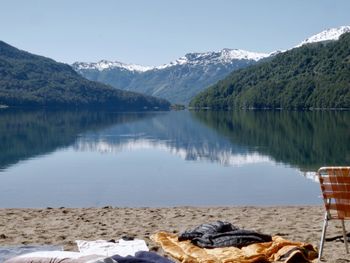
{"x":62,"y":226}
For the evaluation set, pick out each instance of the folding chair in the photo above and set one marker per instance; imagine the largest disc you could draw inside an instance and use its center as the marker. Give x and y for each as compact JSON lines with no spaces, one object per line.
{"x":335,"y":186}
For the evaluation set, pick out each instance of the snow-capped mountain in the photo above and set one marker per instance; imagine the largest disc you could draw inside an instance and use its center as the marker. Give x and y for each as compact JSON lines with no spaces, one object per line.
{"x":224,"y":56}
{"x":105,"y":64}
{"x":177,"y":81}
{"x":326,"y":35}
{"x":180,"y":80}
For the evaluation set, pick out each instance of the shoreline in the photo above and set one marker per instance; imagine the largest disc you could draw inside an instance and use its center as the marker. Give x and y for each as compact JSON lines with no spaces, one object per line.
{"x":62,"y":226}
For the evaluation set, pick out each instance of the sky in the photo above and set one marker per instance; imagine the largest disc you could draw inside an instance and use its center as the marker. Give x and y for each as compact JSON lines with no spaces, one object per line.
{"x":155,"y":32}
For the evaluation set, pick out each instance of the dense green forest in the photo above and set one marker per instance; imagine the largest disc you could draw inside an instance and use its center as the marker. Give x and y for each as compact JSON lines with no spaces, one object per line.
{"x":31,"y":80}
{"x":307,"y":140}
{"x":312,"y":76}
{"x":28,"y":133}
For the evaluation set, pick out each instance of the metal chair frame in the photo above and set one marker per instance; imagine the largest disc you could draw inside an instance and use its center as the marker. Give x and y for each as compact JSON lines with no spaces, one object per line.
{"x":335,"y":187}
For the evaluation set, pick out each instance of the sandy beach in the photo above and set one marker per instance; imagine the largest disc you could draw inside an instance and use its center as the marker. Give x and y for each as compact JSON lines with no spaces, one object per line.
{"x":62,"y":226}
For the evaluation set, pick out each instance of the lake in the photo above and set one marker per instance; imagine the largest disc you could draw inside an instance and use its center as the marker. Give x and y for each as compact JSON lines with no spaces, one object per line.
{"x":158,"y":159}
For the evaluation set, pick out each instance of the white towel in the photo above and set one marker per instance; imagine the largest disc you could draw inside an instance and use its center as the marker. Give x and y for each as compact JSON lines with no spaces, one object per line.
{"x":104,"y":248}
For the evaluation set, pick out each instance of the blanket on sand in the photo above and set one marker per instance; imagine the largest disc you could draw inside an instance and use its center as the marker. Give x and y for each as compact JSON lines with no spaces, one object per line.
{"x":278,"y":250}
{"x":58,"y":257}
{"x":142,"y":257}
{"x":7,"y":252}
{"x":76,"y":257}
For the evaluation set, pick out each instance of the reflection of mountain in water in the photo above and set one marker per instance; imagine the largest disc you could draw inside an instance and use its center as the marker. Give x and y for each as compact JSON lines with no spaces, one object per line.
{"x":175,"y":132}
{"x":24,"y":135}
{"x":307,"y":140}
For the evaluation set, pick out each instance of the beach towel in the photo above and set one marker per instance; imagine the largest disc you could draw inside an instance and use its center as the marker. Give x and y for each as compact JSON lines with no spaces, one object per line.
{"x":120,"y":247}
{"x":278,"y":249}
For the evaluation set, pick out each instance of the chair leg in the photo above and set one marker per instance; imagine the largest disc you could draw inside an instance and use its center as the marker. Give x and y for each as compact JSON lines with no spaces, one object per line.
{"x":324,"y":229}
{"x":345,"y":237}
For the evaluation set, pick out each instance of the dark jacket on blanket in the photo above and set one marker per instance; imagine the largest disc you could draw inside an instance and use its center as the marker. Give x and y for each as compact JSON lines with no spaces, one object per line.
{"x":206,"y":229}
{"x":222,"y":234}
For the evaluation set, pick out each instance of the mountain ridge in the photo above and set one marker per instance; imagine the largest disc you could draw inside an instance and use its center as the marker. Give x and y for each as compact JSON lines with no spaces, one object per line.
{"x":30,"y":80}
{"x":329,"y":34}
{"x":313,"y":76}
{"x":224,"y":55}
{"x":180,"y":80}
{"x":177,"y":81}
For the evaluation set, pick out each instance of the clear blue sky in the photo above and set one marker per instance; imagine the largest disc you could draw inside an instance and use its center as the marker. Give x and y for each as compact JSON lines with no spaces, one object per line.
{"x":154,"y":32}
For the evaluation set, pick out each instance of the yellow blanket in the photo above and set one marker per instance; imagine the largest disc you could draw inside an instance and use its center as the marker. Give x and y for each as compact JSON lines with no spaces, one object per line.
{"x":279,"y":250}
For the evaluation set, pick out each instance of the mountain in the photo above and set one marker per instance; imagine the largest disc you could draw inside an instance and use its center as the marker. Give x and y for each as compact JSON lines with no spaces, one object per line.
{"x":178,"y":81}
{"x":36,"y":81}
{"x":326,"y":35}
{"x":182,"y":79}
{"x":315,"y":75}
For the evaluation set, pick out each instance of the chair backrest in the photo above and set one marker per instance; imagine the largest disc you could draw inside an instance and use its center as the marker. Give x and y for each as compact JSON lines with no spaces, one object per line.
{"x":335,"y":186}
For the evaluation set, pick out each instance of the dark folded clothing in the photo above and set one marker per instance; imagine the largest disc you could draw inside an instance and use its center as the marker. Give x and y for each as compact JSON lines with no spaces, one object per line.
{"x":237,"y":238}
{"x":222,"y":234}
{"x":212,"y":228}
{"x":142,"y":257}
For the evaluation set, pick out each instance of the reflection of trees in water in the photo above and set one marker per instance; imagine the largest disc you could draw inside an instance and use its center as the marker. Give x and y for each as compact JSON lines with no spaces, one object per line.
{"x":307,"y":140}
{"x":175,"y":132}
{"x":26,"y":134}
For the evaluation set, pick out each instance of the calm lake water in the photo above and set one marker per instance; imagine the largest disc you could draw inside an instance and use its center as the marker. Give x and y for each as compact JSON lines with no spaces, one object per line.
{"x":84,"y":159}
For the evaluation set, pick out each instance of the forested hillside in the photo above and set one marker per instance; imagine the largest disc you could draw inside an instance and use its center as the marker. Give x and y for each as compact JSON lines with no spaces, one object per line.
{"x":31,"y":80}
{"x":312,"y":76}
{"x":178,"y":81}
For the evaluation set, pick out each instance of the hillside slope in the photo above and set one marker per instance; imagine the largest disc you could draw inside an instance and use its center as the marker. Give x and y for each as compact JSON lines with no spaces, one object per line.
{"x":178,"y":81}
{"x":36,"y":81}
{"x":315,"y":75}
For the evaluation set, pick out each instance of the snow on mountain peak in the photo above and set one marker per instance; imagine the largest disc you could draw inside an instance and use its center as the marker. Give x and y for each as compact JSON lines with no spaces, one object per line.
{"x":230,"y":54}
{"x":326,"y":35}
{"x":224,"y":56}
{"x":105,"y":64}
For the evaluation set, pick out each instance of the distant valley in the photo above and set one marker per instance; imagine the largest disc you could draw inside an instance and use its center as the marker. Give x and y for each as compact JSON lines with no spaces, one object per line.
{"x":178,"y":81}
